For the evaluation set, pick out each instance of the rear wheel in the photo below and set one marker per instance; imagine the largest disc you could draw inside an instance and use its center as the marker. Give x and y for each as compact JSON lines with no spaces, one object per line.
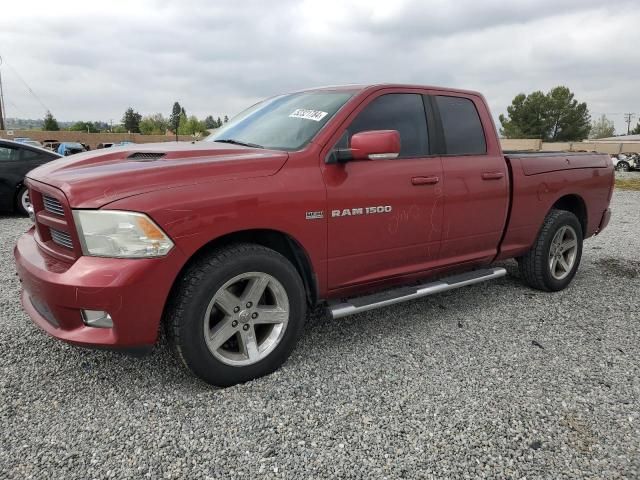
{"x":622,"y":167}
{"x":553,"y":260}
{"x":22,"y":201}
{"x":237,"y":314}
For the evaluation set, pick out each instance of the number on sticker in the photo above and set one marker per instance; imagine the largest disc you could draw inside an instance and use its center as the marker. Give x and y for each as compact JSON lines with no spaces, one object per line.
{"x":315,"y":115}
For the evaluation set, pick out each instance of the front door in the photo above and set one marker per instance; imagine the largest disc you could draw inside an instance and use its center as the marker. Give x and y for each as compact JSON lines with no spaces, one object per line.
{"x":384,"y":215}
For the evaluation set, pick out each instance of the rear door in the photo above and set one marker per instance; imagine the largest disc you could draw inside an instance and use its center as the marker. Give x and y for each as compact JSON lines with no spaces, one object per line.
{"x":384,"y":216}
{"x":476,"y":182}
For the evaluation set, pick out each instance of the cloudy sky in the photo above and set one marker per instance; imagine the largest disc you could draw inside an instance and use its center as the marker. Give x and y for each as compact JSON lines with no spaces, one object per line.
{"x":89,"y":60}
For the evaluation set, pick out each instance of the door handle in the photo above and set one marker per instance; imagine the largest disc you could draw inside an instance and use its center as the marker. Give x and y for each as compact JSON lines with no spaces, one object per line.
{"x":492,"y":175}
{"x":425,"y":180}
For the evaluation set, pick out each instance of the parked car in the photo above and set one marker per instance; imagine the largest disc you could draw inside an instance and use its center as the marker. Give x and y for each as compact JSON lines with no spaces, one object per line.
{"x":625,"y":162}
{"x":70,"y":148}
{"x":105,"y":145}
{"x":33,"y":143}
{"x":27,"y":141}
{"x":16,"y":159}
{"x":51,"y":145}
{"x":349,"y":197}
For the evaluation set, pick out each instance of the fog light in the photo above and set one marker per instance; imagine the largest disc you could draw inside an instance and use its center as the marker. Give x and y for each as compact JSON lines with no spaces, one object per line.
{"x":96,"y":318}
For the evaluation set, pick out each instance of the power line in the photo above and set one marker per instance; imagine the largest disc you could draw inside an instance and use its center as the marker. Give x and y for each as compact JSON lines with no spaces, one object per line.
{"x":28,"y":87}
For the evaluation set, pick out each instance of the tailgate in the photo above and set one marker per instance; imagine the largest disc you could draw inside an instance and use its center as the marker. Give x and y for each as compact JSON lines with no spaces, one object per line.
{"x":535,"y":163}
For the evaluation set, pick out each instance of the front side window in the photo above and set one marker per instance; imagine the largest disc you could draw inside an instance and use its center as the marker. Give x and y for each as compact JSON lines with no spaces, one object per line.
{"x":286,"y":122}
{"x":463,"y":132}
{"x":8,"y":154}
{"x":403,"y":112}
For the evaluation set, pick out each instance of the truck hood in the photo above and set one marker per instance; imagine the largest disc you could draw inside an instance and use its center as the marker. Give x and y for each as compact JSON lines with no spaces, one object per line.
{"x":94,"y":179}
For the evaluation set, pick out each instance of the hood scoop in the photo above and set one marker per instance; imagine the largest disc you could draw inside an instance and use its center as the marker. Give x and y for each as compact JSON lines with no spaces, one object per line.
{"x":146,"y":156}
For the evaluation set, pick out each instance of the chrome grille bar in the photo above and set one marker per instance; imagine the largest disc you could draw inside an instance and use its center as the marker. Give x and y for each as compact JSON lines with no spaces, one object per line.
{"x":61,"y":238}
{"x":52,"y":205}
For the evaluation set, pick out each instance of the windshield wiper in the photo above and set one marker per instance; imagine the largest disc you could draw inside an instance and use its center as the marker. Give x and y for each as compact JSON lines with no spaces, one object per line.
{"x":238,"y":142}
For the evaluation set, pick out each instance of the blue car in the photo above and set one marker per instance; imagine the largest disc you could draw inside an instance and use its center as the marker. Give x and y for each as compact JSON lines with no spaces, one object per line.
{"x":69,"y":148}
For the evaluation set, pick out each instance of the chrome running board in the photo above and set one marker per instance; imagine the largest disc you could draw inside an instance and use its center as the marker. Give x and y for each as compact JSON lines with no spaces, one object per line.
{"x":404,"y":294}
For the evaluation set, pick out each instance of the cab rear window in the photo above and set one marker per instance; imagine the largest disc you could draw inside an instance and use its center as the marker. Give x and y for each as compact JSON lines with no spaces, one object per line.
{"x":463,"y":132}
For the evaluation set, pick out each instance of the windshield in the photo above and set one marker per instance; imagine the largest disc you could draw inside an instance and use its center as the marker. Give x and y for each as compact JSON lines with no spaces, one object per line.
{"x":286,"y":122}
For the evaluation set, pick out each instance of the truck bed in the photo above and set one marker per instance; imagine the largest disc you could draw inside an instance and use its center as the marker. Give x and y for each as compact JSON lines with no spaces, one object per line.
{"x":540,"y":181}
{"x":534,"y":163}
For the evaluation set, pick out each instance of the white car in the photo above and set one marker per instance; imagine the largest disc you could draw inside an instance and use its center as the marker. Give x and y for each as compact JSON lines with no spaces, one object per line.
{"x":626,"y":162}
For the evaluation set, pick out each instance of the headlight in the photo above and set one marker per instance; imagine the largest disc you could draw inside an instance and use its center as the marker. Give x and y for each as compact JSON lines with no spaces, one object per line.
{"x":113,"y":233}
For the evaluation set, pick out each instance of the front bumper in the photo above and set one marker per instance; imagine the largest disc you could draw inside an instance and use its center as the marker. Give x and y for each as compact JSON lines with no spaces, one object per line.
{"x":132,"y":291}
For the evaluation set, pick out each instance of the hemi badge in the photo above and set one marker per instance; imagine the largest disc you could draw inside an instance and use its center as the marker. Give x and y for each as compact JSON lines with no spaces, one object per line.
{"x":315,"y":215}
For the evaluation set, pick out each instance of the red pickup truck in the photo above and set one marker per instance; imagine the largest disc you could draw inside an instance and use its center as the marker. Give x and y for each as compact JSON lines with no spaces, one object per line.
{"x":353,"y":197}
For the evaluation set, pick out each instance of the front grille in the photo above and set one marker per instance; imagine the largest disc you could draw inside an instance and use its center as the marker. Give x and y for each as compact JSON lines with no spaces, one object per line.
{"x":61,"y":238}
{"x":54,"y":223}
{"x":52,"y":205}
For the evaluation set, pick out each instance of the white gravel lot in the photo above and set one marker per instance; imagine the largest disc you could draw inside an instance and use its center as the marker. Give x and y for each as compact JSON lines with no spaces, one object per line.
{"x":491,"y":381}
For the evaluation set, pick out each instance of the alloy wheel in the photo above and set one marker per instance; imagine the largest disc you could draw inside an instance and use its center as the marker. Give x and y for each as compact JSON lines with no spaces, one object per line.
{"x":246,"y":319}
{"x":563,"y":252}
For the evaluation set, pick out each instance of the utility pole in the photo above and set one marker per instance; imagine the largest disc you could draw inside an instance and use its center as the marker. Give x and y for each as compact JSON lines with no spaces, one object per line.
{"x":2,"y":110}
{"x":627,"y":118}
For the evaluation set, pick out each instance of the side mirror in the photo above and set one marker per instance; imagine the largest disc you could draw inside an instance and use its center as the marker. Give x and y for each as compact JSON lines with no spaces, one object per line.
{"x":375,"y":145}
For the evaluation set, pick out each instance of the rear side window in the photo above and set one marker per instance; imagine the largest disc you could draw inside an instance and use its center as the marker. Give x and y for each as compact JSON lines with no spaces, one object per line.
{"x":463,"y":133}
{"x":403,"y":112}
{"x":31,"y":155}
{"x":9,"y":154}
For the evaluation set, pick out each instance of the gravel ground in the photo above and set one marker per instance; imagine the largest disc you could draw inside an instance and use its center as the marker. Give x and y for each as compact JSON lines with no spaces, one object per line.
{"x":628,"y":175}
{"x":495,"y":381}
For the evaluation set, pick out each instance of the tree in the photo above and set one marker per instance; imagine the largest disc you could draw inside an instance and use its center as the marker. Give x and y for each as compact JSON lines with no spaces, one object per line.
{"x":602,"y":128}
{"x":209,"y":122}
{"x":555,"y":116}
{"x":50,"y":123}
{"x":83,"y":127}
{"x":154,"y":125}
{"x":101,"y":126}
{"x":636,"y":131}
{"x":191,"y":126}
{"x":219,"y":122}
{"x":131,"y":120}
{"x":195,"y":126}
{"x":226,"y":119}
{"x":182,"y":125}
{"x":174,"y":118}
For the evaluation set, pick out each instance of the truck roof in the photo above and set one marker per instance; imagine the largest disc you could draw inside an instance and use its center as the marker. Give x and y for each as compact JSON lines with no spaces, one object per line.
{"x":357,"y":87}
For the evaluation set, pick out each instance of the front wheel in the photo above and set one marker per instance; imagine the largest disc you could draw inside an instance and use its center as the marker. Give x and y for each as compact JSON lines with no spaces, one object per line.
{"x":237,"y":314}
{"x":22,"y":201}
{"x":553,"y":260}
{"x":623,"y":167}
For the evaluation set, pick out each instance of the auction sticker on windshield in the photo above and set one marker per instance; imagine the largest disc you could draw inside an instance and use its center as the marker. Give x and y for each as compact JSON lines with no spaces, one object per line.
{"x":315,"y":115}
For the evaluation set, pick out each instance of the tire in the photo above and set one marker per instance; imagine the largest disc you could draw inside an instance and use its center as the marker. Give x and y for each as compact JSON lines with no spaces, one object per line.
{"x":205,"y":298}
{"x":22,"y":200}
{"x":538,"y":268}
{"x":622,"y":167}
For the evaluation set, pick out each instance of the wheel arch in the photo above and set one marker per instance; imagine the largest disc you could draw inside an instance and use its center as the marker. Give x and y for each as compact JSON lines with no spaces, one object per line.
{"x":276,"y":240}
{"x":575,"y":204}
